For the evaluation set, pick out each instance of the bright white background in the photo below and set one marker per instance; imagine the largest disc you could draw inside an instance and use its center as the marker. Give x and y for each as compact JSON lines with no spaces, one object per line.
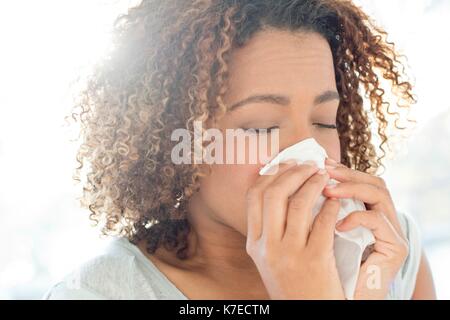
{"x":47,"y":44}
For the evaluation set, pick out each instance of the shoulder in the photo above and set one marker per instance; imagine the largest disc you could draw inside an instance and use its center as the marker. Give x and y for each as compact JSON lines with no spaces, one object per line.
{"x":113,"y":274}
{"x":68,"y":290}
{"x":406,"y":278}
{"x":413,"y":235}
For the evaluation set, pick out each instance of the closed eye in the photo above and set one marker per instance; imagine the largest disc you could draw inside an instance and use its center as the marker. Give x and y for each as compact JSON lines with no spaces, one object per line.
{"x":268,"y":130}
{"x":326,"y":126}
{"x":260,"y":130}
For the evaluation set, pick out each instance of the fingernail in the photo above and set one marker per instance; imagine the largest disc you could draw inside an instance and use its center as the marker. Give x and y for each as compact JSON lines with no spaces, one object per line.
{"x":330,"y":167}
{"x":272,"y":170}
{"x":291,"y":162}
{"x":322,"y":171}
{"x":330,"y":186}
{"x":331,"y":164}
{"x":331,"y":161}
{"x":309,"y":163}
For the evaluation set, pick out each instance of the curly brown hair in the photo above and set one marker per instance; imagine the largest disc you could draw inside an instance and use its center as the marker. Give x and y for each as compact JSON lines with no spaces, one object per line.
{"x":168,"y":66}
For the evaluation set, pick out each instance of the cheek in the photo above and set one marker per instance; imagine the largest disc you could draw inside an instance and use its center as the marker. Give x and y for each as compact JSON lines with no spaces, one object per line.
{"x":334,"y":151}
{"x":332,"y":145}
{"x":224,"y":191}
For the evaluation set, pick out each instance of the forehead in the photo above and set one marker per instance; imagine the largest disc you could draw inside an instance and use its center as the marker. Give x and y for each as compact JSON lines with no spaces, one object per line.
{"x":281,"y":62}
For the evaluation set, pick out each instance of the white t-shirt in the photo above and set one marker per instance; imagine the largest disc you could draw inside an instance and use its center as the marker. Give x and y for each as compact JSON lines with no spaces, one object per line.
{"x":124,"y":272}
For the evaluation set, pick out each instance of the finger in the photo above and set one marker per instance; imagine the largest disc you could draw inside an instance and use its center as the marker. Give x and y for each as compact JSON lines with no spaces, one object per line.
{"x":375,"y":221}
{"x":275,"y":199}
{"x":254,"y":200}
{"x":378,"y":198}
{"x":322,"y":233}
{"x":300,"y":205}
{"x":342,"y":173}
{"x":365,"y":192}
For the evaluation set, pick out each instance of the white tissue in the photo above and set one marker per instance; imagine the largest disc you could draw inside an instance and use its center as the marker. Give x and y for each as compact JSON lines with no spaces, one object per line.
{"x":348,"y":246}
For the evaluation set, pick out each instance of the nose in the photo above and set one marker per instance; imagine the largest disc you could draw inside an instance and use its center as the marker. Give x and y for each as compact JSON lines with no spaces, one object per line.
{"x":298,"y":129}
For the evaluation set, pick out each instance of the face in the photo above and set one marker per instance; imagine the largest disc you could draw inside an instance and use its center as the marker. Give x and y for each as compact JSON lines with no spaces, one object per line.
{"x":297,"y":70}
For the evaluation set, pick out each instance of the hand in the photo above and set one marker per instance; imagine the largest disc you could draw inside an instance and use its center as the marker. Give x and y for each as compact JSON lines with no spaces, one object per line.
{"x":391,"y":246}
{"x":294,"y":255}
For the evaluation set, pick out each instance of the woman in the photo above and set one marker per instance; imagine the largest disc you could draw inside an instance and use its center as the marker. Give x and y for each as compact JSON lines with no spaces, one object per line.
{"x":221,"y":231}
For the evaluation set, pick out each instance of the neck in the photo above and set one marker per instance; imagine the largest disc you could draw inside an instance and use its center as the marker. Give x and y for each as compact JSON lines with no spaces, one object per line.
{"x":217,"y":252}
{"x":215,"y":246}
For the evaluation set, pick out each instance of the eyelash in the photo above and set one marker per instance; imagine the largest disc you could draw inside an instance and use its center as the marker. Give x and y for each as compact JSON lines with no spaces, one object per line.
{"x":258,"y":130}
{"x":321,"y":125}
{"x":326,"y":126}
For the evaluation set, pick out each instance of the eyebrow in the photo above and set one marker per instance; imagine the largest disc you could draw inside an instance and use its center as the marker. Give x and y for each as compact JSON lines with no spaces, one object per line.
{"x":283,"y":100}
